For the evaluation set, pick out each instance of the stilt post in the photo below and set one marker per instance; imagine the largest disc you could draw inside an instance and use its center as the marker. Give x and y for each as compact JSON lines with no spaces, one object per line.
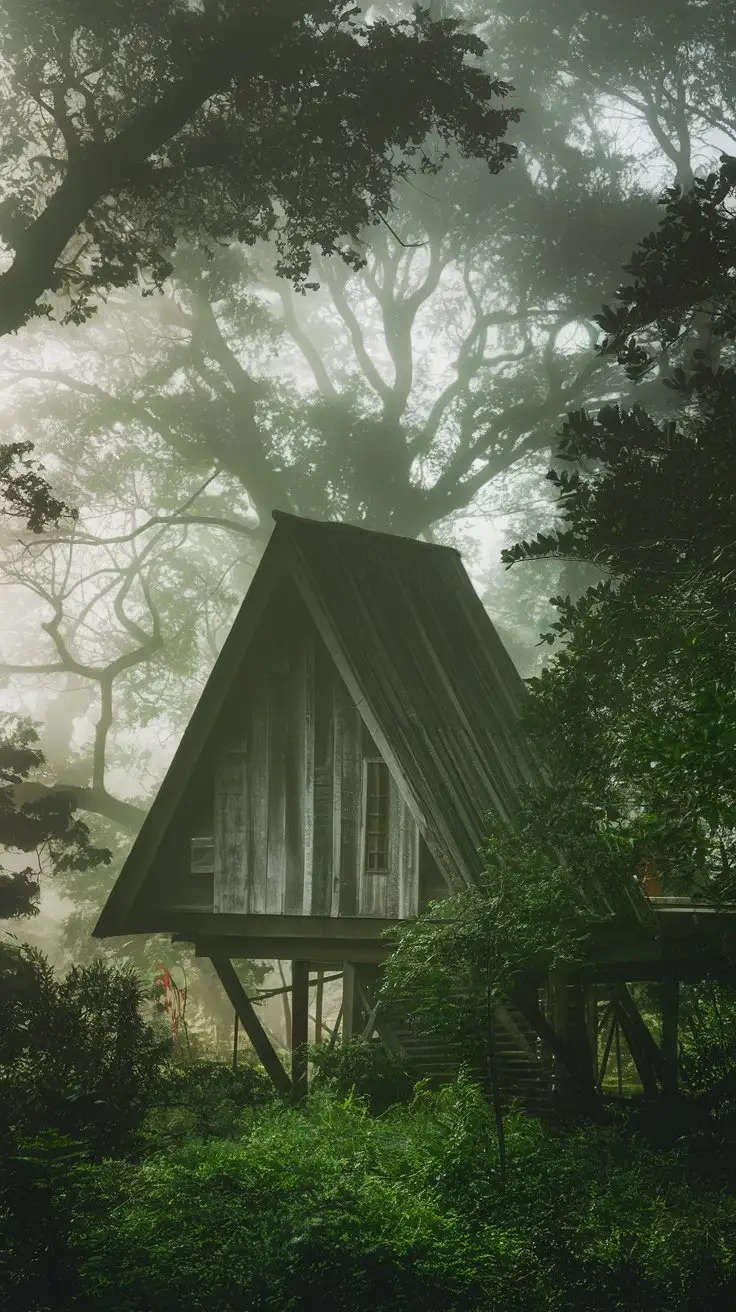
{"x":299,"y":1028}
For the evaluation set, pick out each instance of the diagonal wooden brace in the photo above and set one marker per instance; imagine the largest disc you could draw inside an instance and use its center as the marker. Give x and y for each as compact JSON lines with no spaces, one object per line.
{"x":248,"y":1019}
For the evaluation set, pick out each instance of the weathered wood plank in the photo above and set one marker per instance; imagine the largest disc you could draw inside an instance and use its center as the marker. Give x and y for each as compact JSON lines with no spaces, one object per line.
{"x":433,"y":886}
{"x":520,"y":1040}
{"x":354,"y":928}
{"x":258,"y":776}
{"x":255,"y":948}
{"x":351,"y":794}
{"x":231,"y":838}
{"x":323,"y":783}
{"x":336,"y":822}
{"x":278,"y":695}
{"x":299,"y":1028}
{"x":294,"y":701}
{"x":308,"y":770}
{"x":352,"y":1010}
{"x":245,"y":1012}
{"x":644,"y":1051}
{"x":405,"y":903}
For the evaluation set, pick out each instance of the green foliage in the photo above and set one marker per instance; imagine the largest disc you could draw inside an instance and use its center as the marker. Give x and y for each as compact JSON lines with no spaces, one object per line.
{"x":221,"y":123}
{"x":38,"y":1172}
{"x":362,"y":1068}
{"x":329,"y":1207}
{"x":637,"y":708}
{"x":530,"y":913}
{"x":24,"y":491}
{"x":45,"y":825}
{"x":76,"y":1055}
{"x":202,"y":1100}
{"x":708,"y":1037}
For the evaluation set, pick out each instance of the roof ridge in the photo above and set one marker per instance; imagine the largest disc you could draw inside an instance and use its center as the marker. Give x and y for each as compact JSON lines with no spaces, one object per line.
{"x":332,"y":525}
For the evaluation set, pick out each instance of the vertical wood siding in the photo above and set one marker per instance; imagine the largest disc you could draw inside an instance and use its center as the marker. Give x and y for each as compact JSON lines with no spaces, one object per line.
{"x":294,"y":788}
{"x":290,"y":810}
{"x":321,"y":904}
{"x":232,"y":848}
{"x":258,"y":805}
{"x":350,"y":766}
{"x":407,"y":904}
{"x":336,"y":847}
{"x":278,"y":690}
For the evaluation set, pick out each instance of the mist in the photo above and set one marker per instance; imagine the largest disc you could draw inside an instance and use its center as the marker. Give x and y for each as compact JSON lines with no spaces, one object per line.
{"x":420,"y":393}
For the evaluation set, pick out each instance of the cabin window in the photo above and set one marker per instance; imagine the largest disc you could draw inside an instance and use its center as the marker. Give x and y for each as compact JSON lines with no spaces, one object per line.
{"x":376,"y":818}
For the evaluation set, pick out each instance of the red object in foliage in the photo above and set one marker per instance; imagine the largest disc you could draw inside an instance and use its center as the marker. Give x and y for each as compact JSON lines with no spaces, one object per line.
{"x":174,"y":999}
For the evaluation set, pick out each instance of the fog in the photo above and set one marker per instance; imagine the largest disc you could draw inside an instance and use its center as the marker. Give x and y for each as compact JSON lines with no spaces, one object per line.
{"x":420,"y":395}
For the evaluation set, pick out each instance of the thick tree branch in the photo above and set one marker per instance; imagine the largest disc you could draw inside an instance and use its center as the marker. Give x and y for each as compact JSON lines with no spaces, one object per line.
{"x":355,"y":332}
{"x":102,"y":169}
{"x":95,"y":800}
{"x":306,"y":346}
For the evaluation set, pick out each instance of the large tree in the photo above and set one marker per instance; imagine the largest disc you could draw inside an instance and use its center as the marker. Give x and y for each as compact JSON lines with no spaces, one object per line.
{"x":418,"y":392}
{"x":130,"y":125}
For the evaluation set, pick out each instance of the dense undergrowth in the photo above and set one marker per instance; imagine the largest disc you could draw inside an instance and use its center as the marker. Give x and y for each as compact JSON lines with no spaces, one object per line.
{"x":234,"y":1200}
{"x":129,"y":1182}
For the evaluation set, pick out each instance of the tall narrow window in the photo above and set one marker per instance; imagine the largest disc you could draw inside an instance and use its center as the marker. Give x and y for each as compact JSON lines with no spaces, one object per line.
{"x":376,"y":818}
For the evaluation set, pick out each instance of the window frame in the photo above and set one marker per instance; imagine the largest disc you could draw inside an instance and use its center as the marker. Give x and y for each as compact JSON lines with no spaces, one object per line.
{"x":367,"y":873}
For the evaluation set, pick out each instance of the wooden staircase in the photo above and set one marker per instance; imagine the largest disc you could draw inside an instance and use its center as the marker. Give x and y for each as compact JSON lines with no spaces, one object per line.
{"x":525,"y":1072}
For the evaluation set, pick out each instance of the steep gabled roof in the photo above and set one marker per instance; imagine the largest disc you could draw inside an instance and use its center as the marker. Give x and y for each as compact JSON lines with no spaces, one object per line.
{"x":422,"y":660}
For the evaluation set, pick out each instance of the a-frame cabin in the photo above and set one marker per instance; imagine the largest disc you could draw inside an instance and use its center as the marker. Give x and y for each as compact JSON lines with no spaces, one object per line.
{"x":359,"y":724}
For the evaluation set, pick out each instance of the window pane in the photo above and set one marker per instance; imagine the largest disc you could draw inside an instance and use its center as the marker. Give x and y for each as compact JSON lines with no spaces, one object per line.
{"x":376,"y":818}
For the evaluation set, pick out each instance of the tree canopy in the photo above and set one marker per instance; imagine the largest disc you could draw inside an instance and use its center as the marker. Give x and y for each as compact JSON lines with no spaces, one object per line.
{"x":641,"y":693}
{"x":130,"y":126}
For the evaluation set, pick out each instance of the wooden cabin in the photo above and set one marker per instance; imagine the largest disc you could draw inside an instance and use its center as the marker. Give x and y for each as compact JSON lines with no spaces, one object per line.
{"x":358,"y":726}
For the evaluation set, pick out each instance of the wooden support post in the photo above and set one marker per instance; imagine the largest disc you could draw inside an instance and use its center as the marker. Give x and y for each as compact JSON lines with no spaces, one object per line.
{"x":525,"y":1001}
{"x":590,"y":1004}
{"x":235,"y":1042}
{"x":558,"y":1011}
{"x":670,"y":996}
{"x":299,"y":1028}
{"x":352,"y":1011}
{"x":335,"y":1030}
{"x":248,"y":1019}
{"x":609,"y":1012}
{"x":619,"y":1069}
{"x":644,"y":1051}
{"x":370,"y":1017}
{"x":318,"y":1004}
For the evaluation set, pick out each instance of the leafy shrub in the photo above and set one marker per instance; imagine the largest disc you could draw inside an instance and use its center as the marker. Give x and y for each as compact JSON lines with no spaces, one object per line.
{"x":329,"y":1207}
{"x":364,"y":1068}
{"x":203,"y":1100}
{"x":315,"y":1208}
{"x":37,"y":1173}
{"x":76,"y":1055}
{"x":708,"y":1035}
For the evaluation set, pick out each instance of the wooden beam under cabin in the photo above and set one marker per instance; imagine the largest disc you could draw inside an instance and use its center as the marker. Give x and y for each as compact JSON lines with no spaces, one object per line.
{"x":285,"y":949}
{"x":644,"y":1051}
{"x":299,"y":1028}
{"x":226,"y":924}
{"x":248,"y":1019}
